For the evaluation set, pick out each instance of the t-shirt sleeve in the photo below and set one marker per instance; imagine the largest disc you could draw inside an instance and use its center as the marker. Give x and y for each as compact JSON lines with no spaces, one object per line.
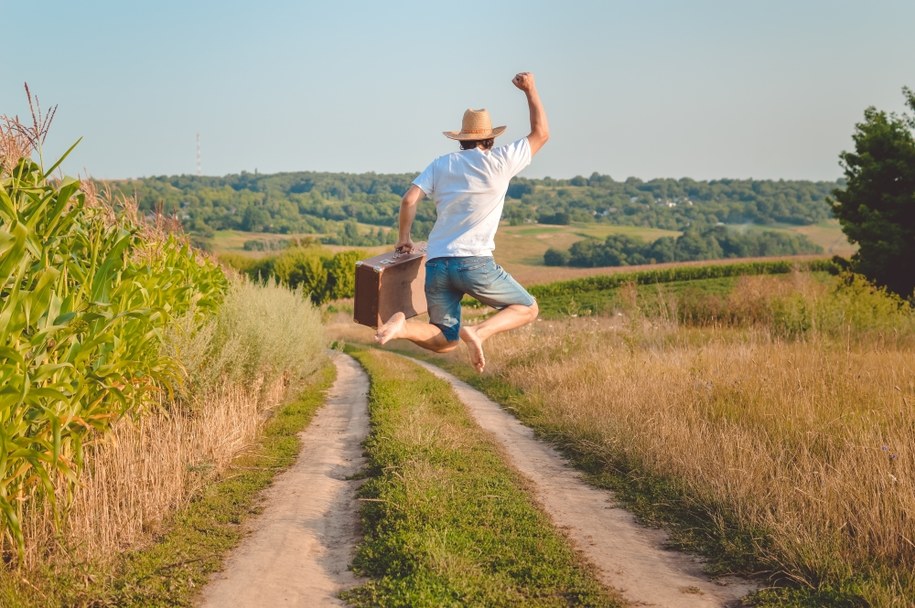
{"x":426,"y":180}
{"x":516,"y":156}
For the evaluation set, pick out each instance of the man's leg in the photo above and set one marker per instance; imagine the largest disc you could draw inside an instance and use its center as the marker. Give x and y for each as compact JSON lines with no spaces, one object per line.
{"x":426,"y":335}
{"x":440,"y":334}
{"x":490,"y":284}
{"x":510,"y":317}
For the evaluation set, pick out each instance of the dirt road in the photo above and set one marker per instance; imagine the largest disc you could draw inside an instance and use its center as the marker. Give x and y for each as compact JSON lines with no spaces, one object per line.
{"x":627,"y":556}
{"x":301,"y":545}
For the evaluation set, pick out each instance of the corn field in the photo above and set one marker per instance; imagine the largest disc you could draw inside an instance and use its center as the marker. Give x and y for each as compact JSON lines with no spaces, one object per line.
{"x":85,"y":294}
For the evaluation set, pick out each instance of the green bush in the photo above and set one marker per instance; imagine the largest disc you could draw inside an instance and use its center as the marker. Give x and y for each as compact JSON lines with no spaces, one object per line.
{"x":318,"y":274}
{"x":858,"y":306}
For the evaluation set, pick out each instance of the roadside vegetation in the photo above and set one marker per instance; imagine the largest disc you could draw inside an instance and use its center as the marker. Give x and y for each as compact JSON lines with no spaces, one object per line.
{"x":320,"y":274}
{"x":598,"y":294}
{"x":132,"y":372}
{"x":173,"y":562}
{"x":766,"y":420}
{"x":446,"y":522}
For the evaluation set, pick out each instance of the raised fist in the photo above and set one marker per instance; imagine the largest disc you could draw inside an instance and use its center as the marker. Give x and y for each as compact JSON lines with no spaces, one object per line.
{"x":524,"y":81}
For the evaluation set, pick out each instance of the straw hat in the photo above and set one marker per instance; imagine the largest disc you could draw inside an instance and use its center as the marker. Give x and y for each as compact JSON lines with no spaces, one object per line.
{"x":476,"y":125}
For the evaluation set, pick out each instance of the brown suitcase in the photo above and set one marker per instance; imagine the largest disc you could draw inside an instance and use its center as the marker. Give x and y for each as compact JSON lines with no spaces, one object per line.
{"x":389,"y":283}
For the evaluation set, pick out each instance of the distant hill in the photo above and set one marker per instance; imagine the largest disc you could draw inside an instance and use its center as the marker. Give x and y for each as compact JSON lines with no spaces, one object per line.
{"x":340,"y":205}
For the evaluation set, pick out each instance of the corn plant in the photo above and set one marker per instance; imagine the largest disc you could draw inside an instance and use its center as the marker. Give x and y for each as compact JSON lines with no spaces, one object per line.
{"x":83,"y":301}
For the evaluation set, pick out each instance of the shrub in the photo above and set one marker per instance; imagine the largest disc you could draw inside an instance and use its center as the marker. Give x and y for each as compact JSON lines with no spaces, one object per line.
{"x":319,"y":275}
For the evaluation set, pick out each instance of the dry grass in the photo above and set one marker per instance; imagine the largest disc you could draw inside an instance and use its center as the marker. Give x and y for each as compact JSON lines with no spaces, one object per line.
{"x":526,"y":244}
{"x":809,"y":441}
{"x":233,"y":242}
{"x":146,"y":468}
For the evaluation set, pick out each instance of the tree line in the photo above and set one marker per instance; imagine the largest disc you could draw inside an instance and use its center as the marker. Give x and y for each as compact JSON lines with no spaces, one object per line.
{"x":672,"y":204}
{"x":710,"y":243}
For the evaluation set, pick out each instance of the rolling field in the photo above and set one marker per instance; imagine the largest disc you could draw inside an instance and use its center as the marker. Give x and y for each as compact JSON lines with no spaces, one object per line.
{"x":827,"y":235}
{"x":233,"y":241}
{"x":526,"y":244}
{"x":520,"y":249}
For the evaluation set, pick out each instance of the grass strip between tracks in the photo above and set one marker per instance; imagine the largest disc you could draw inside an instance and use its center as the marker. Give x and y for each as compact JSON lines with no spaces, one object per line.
{"x":446,"y":521}
{"x":196,"y":538}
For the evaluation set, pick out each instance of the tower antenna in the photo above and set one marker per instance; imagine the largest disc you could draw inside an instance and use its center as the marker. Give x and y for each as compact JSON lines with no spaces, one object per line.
{"x":198,"y":155}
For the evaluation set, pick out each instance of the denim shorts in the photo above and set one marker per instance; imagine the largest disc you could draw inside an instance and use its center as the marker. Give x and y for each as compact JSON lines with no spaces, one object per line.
{"x":448,"y":279}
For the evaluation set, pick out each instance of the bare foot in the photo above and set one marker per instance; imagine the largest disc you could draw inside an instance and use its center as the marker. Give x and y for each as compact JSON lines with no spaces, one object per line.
{"x":391,"y":329}
{"x":475,"y":346}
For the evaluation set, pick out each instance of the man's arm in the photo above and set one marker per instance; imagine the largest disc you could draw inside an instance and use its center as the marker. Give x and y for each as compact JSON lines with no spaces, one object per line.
{"x":407,"y":214}
{"x":540,"y":128}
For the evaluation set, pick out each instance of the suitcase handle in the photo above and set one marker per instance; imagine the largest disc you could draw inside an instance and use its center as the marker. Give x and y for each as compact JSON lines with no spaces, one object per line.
{"x":397,"y":254}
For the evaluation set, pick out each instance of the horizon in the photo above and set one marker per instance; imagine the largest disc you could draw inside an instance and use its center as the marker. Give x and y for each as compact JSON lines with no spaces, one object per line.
{"x":840,"y":180}
{"x":707,"y":91}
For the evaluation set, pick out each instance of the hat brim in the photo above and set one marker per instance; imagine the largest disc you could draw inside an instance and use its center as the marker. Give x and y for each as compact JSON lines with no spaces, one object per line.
{"x":461,"y":136}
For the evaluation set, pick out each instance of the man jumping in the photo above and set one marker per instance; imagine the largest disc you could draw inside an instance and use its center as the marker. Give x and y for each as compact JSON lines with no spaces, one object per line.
{"x":468,"y":188}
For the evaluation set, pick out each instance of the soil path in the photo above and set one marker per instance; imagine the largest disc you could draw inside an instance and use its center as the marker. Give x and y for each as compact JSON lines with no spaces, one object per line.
{"x":628,"y":557}
{"x":301,"y":545}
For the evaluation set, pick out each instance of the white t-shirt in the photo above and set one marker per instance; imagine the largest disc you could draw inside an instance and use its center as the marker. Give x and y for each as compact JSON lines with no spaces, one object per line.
{"x":468,"y":188}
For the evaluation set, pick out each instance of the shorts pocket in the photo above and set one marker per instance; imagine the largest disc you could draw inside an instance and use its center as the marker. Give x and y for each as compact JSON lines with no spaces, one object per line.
{"x":477,"y":264}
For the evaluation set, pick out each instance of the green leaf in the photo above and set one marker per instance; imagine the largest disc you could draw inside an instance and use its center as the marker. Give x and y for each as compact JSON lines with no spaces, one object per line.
{"x":61,"y":159}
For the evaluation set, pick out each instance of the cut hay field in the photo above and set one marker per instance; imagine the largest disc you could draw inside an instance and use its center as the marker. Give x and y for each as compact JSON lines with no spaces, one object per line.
{"x":520,"y":249}
{"x":827,"y":235}
{"x":526,"y":244}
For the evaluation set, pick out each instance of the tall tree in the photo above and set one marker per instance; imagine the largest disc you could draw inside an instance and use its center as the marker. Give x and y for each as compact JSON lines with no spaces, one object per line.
{"x":877,"y":207}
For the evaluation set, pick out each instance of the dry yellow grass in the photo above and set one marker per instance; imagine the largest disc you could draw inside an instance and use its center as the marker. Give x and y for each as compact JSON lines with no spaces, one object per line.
{"x":146,"y":468}
{"x":809,"y":441}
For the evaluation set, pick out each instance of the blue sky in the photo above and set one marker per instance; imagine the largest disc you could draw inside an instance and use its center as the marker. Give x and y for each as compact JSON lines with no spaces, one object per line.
{"x":703,"y":89}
